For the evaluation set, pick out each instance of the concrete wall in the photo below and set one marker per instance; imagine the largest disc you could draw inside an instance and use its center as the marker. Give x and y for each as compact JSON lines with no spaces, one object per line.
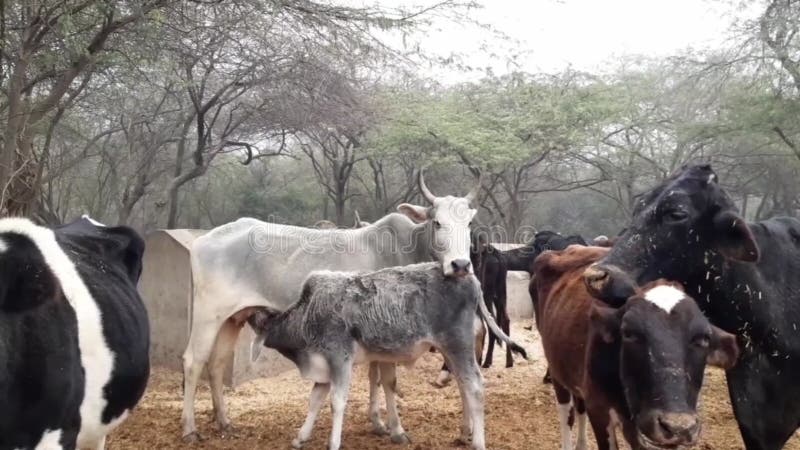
{"x":519,"y":300}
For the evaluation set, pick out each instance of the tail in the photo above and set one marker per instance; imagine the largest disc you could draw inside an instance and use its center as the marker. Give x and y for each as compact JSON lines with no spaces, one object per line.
{"x":494,"y":329}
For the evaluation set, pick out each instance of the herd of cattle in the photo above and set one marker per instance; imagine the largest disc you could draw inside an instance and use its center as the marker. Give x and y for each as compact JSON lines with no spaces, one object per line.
{"x":627,"y":324}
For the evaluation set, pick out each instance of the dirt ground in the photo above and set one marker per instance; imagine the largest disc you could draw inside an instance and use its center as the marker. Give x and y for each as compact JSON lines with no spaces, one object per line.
{"x":520,"y":410}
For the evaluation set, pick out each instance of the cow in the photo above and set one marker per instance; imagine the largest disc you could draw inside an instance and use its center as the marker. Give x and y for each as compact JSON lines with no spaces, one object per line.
{"x":250,"y":263}
{"x":390,"y":316}
{"x":638,"y":367}
{"x":744,"y":276}
{"x":74,"y":333}
{"x":324,"y":225}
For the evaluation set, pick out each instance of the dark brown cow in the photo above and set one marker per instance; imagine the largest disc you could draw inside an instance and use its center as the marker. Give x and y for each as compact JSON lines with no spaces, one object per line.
{"x":638,"y":367}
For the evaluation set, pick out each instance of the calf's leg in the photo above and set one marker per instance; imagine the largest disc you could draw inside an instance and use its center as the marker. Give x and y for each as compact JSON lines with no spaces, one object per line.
{"x":603,"y":427}
{"x":317,"y":398}
{"x":376,"y":377}
{"x":470,"y":382}
{"x":389,"y":381}
{"x":341,"y":373}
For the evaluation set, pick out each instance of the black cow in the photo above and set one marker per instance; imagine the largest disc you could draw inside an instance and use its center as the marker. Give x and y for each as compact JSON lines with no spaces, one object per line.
{"x":74,"y":334}
{"x":744,"y":277}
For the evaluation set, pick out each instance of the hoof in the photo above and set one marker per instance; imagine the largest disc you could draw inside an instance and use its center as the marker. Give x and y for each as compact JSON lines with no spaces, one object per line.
{"x":509,"y":365}
{"x":438,"y":385}
{"x":487,"y":364}
{"x":379,"y":430}
{"x":402,"y":439}
{"x":461,"y":442}
{"x":297,"y":443}
{"x":192,"y":438}
{"x":227,"y":431}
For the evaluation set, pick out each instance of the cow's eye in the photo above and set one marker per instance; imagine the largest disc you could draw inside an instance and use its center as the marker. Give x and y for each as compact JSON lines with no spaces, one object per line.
{"x":437,"y":224}
{"x":676,"y":215}
{"x":702,"y":340}
{"x":629,"y":335}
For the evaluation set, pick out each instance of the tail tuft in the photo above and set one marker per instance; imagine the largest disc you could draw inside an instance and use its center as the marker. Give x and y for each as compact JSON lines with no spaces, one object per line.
{"x":516,"y":348}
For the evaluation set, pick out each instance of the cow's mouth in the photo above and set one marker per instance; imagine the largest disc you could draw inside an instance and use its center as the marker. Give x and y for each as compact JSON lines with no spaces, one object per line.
{"x":648,"y":444}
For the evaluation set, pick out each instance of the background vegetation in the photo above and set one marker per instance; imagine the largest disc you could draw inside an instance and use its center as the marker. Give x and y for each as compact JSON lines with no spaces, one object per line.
{"x":189,"y":114}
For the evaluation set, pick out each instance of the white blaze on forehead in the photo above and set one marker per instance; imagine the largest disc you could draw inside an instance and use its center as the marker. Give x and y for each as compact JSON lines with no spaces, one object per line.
{"x":665,"y":297}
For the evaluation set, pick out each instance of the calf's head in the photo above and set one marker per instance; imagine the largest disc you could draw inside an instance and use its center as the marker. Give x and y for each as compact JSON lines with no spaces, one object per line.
{"x":664,"y":343}
{"x":677,"y":232}
{"x":447,"y":222}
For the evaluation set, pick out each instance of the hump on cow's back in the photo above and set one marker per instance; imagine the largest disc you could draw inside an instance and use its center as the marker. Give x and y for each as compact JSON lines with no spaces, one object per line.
{"x":557,"y":262}
{"x":26,"y":281}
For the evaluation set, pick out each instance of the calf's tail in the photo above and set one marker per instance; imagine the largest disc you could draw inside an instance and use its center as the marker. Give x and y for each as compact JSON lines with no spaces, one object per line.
{"x":494,"y":329}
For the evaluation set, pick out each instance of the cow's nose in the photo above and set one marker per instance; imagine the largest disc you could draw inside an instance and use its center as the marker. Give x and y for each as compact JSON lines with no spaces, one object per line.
{"x":460,"y":265}
{"x":677,"y":428}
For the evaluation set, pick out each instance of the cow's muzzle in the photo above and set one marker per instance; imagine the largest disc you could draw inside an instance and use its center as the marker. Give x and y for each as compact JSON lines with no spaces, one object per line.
{"x":461,"y":267}
{"x":670,"y":431}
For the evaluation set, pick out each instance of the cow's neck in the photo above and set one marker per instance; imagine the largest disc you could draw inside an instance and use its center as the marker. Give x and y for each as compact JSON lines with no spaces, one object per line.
{"x":520,"y":259}
{"x":421,"y":239}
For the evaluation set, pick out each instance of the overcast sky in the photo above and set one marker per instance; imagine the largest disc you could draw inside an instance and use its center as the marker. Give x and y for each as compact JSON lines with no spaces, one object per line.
{"x":585,"y":34}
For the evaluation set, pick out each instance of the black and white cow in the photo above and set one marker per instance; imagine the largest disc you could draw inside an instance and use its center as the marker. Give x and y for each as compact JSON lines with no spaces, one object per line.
{"x":744,"y":276}
{"x":74,"y":334}
{"x":390,"y":316}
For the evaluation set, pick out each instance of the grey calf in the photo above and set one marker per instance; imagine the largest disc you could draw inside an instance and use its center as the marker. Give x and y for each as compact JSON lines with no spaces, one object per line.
{"x":390,"y":316}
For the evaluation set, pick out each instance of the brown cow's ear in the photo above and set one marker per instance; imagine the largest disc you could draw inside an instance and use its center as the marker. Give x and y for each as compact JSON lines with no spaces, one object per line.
{"x":724,"y":349}
{"x":416,"y":213}
{"x":605,"y":322}
{"x":733,"y":237}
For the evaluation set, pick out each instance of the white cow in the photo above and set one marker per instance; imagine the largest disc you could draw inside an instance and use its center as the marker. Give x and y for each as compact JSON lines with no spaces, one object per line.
{"x":249,"y":263}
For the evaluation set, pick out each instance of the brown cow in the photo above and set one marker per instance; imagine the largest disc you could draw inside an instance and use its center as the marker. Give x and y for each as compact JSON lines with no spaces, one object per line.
{"x":638,"y":367}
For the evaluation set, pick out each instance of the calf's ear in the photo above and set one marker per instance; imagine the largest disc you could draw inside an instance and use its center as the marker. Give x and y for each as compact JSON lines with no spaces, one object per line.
{"x":606,"y":322}
{"x":724,"y":349}
{"x":416,"y":213}
{"x":733,"y":237}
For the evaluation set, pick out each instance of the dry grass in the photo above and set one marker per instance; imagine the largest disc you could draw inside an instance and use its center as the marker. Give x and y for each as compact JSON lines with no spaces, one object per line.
{"x":520,"y":411}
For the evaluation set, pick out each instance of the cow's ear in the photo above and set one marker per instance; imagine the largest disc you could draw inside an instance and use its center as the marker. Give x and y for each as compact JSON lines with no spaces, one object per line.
{"x":724,"y":349}
{"x":606,"y":322}
{"x":416,"y":213}
{"x":733,"y":237}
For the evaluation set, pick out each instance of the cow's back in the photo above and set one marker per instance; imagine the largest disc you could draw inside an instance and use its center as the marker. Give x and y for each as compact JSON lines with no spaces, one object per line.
{"x":563,"y":305}
{"x":271,"y":261}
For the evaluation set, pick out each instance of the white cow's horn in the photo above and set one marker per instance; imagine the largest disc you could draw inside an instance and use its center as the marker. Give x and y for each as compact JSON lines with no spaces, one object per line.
{"x":473,"y":194}
{"x":424,"y":189}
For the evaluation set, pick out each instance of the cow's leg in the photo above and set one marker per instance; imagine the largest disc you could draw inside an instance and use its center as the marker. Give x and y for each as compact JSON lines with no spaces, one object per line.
{"x":376,"y":377}
{"x":505,"y":325}
{"x":198,"y":351}
{"x":564,"y":400}
{"x":487,"y":362}
{"x":389,"y":382}
{"x":220,"y":355}
{"x":341,"y":371}
{"x":580,"y":409}
{"x":603,"y":427}
{"x":317,"y":398}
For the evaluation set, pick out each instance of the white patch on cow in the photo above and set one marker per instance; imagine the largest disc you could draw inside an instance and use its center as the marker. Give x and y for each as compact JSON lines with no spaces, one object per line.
{"x":3,"y":246}
{"x":92,"y":221}
{"x":711,"y":178}
{"x":51,"y":440}
{"x":318,"y":369}
{"x":566,"y":431}
{"x":613,"y":424}
{"x":665,"y":297}
{"x":96,"y":357}
{"x":444,"y":378}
